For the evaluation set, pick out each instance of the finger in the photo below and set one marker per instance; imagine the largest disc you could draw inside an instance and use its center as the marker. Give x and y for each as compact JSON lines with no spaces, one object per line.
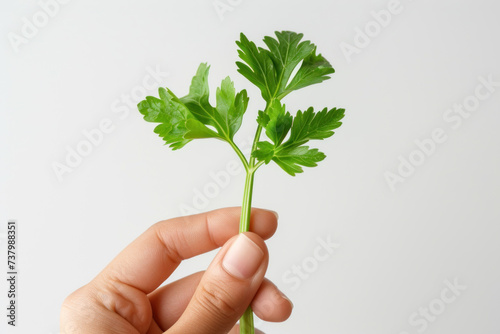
{"x":270,"y":304}
{"x":170,"y":301}
{"x":227,"y":287}
{"x":154,"y":255}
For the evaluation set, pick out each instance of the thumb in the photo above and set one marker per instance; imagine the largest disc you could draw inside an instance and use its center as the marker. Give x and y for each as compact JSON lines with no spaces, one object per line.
{"x":227,"y":287}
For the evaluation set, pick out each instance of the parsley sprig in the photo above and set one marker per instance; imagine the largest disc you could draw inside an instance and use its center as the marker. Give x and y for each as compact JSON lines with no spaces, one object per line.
{"x":270,"y":69}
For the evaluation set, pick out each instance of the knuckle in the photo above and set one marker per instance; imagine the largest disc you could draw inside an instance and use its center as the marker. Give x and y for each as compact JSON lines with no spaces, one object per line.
{"x":216,"y":299}
{"x":77,"y":297}
{"x":127,"y":301}
{"x":172,"y":241}
{"x":77,"y":308}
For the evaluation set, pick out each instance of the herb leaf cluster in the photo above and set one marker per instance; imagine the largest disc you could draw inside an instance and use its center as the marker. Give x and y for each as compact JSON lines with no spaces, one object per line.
{"x":270,"y":69}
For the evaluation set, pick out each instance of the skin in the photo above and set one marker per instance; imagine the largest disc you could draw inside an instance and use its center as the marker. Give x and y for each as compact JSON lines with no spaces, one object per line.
{"x":126,"y":296}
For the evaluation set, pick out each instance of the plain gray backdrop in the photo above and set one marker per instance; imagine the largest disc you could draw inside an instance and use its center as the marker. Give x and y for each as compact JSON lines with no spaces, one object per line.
{"x":409,"y":192}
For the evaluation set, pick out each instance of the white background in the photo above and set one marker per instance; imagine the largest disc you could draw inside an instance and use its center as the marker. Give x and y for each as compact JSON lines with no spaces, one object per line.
{"x":397,"y":248}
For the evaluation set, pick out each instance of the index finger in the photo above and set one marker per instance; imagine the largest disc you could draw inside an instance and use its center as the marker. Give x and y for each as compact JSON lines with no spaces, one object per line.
{"x":150,"y":259}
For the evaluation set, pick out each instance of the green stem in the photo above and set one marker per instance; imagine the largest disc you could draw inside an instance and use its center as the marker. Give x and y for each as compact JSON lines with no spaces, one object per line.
{"x":240,"y":154}
{"x":248,"y":191}
{"x":246,"y":320}
{"x":247,"y":202}
{"x":254,"y":146}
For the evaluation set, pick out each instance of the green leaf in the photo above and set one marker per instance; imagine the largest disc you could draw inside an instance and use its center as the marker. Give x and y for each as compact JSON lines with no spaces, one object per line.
{"x":309,"y":125}
{"x":173,"y":116}
{"x":264,"y":152}
{"x":259,"y":68}
{"x":286,"y":53}
{"x":263,"y":119}
{"x":280,"y":122}
{"x":291,"y":159}
{"x":271,"y":69}
{"x":197,"y":99}
{"x":197,"y":130}
{"x":226,"y":118}
{"x":189,"y":117}
{"x":314,"y":69}
{"x":231,"y":107}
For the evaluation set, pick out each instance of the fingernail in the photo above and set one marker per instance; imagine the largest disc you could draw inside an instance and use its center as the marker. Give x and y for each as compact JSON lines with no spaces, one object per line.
{"x":243,"y":258}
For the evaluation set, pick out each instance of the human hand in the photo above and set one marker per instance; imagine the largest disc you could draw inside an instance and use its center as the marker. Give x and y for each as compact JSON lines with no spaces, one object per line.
{"x":126,"y":298}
